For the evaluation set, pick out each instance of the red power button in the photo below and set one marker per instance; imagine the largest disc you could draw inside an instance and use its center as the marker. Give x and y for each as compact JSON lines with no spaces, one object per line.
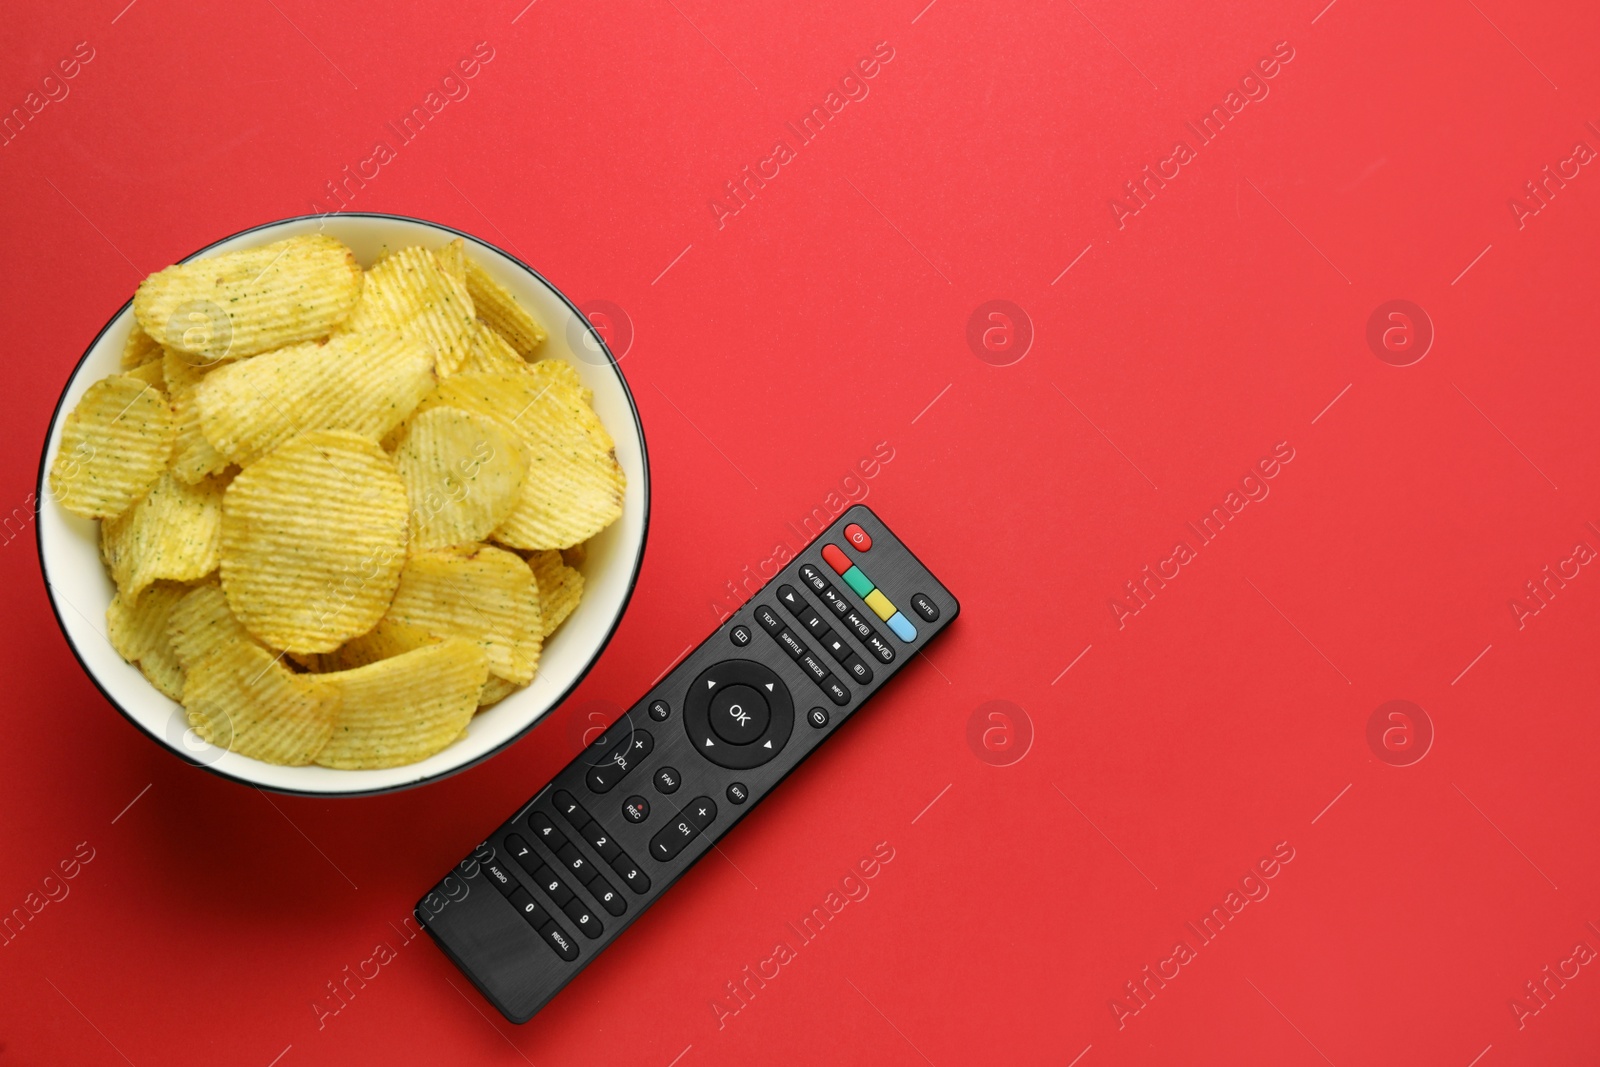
{"x":857,"y":537}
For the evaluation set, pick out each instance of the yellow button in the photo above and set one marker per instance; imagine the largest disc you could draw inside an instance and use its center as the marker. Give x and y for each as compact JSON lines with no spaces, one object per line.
{"x":880,"y":604}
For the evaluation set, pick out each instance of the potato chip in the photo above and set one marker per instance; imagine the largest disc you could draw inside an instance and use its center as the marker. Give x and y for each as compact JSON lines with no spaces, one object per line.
{"x":193,"y":457}
{"x":165,"y":673}
{"x":138,"y":631}
{"x":406,"y":708}
{"x":365,"y":383}
{"x":463,"y":475}
{"x":140,"y":348}
{"x":251,"y":300}
{"x":576,"y":555}
{"x":560,"y":587}
{"x":313,"y":540}
{"x":409,"y":292}
{"x":387,"y":639}
{"x":496,"y":306}
{"x":150,"y":374}
{"x":201,"y":623}
{"x":495,"y":690}
{"x":173,"y":533}
{"x":488,"y":352}
{"x":240,"y":697}
{"x":480,"y":593}
{"x":453,"y":260}
{"x":114,"y":445}
{"x":574,"y":485}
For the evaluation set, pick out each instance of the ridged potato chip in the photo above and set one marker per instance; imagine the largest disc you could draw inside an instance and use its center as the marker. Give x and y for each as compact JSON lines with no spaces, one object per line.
{"x":252,"y":300}
{"x":366,"y":383}
{"x":463,"y":475}
{"x":405,"y":708}
{"x":495,"y":690}
{"x":496,"y":306}
{"x":453,"y":260}
{"x":201,"y":623}
{"x":140,"y":348}
{"x":387,"y":639}
{"x":240,"y":697}
{"x":138,"y":631}
{"x":560,"y":587}
{"x":173,"y":532}
{"x":488,"y":353}
{"x":313,"y":540}
{"x":193,"y":456}
{"x":484,"y":594}
{"x":409,"y":292}
{"x":114,"y":445}
{"x":574,"y":485}
{"x":150,"y":373}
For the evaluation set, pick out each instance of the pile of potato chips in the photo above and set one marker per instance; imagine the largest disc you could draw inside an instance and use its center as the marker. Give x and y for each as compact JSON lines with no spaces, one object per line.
{"x":343,"y":508}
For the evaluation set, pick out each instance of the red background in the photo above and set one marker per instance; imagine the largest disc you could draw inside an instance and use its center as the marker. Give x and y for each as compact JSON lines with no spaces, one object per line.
{"x":1224,"y":718}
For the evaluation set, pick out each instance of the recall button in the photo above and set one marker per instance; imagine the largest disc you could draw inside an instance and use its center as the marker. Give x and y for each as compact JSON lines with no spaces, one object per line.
{"x":858,"y":538}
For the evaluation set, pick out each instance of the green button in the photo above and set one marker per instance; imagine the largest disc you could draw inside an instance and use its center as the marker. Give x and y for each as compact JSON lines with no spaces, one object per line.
{"x":858,"y":581}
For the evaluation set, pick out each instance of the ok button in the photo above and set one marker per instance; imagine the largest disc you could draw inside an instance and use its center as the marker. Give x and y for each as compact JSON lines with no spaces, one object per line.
{"x":739,"y":715}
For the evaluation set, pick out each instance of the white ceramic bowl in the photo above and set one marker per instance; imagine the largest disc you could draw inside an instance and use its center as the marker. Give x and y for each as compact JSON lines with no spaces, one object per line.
{"x":80,"y":589}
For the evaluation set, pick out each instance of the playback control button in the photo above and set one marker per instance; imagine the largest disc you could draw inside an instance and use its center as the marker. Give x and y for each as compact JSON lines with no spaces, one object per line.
{"x":814,"y":667}
{"x":853,"y":619}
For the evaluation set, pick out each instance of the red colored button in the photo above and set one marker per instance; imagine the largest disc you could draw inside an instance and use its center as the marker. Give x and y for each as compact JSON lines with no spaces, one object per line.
{"x":835,"y":559}
{"x":857,"y":537}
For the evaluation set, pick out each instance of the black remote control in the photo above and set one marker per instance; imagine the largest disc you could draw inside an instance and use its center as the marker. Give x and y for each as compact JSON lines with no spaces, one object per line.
{"x":560,"y":880}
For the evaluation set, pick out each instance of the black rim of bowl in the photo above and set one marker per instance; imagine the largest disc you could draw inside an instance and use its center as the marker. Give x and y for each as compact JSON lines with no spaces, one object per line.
{"x":627,"y":596}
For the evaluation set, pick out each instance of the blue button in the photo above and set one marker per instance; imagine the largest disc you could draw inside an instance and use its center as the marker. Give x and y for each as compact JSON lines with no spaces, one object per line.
{"x":902,"y":627}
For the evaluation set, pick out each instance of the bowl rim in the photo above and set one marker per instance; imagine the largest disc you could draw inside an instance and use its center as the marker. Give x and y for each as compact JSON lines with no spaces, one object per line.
{"x":41,"y":496}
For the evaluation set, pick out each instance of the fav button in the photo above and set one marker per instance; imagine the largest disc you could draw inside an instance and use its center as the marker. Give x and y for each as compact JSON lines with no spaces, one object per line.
{"x":857,"y":537}
{"x":833,"y":557}
{"x":902,"y":627}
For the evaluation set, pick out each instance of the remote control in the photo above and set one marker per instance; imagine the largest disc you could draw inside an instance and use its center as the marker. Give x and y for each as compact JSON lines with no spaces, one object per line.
{"x":562,"y":878}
